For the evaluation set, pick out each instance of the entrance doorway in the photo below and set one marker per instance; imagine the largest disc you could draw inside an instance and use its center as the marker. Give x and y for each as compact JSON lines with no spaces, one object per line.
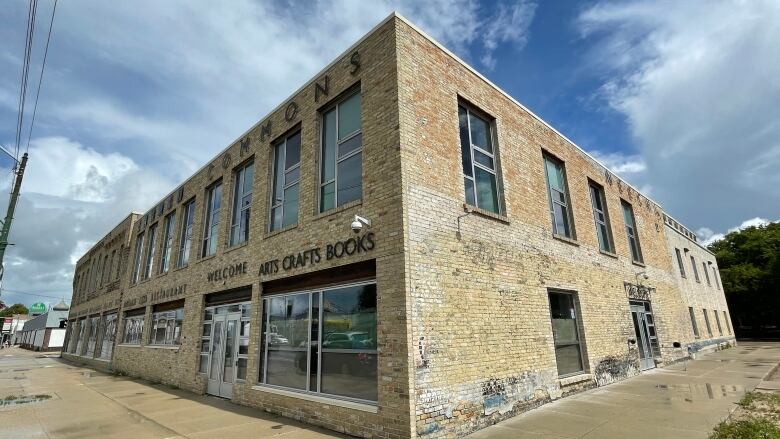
{"x":646,"y":338}
{"x":224,"y":347}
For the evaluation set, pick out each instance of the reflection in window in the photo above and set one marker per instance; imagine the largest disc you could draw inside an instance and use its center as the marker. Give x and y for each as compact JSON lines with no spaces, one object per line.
{"x":109,"y":336}
{"x":478,"y":157}
{"x":341,"y":360}
{"x":566,"y":333}
{"x":341,"y":172}
{"x":560,"y":211}
{"x":134,"y":329}
{"x":185,"y":240}
{"x":601,"y":217}
{"x":631,"y":233}
{"x":286,"y":178}
{"x":211,"y":231}
{"x":242,"y":204}
{"x":166,"y":327}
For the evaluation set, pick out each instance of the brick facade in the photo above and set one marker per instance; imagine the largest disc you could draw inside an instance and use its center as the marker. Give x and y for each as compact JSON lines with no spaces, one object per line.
{"x":463,"y":330}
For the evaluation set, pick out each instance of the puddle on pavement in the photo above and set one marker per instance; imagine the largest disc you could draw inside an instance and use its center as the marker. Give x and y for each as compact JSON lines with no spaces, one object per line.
{"x":13,"y":400}
{"x":700,"y":392}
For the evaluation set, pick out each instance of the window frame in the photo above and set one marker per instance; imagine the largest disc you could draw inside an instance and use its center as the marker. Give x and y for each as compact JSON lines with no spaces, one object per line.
{"x":136,"y":340}
{"x":597,"y":190}
{"x":706,"y":273}
{"x":695,"y":270}
{"x":494,"y":156}
{"x":561,"y":167}
{"x":717,"y":322}
{"x":580,"y":340}
{"x":692,"y":314}
{"x":178,"y":318}
{"x":707,"y":321}
{"x":238,"y":208}
{"x":632,"y":232}
{"x":137,"y":256}
{"x":209,"y":215}
{"x":167,"y":250}
{"x":186,"y":234}
{"x":151,"y":250}
{"x":281,"y":144}
{"x":680,"y":263}
{"x":334,"y":106}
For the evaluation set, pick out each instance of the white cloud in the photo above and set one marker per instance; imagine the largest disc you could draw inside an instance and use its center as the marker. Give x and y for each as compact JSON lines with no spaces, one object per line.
{"x":509,"y":24}
{"x":708,"y":236}
{"x":697,"y":83}
{"x":620,"y":163}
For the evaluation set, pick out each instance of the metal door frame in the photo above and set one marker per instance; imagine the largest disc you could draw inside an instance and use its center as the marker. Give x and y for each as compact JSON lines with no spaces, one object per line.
{"x":638,"y":309}
{"x":221,"y":387}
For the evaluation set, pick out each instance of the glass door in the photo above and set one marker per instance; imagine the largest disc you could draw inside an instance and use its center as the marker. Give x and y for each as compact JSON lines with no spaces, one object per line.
{"x":223,"y":352}
{"x":646,"y":340}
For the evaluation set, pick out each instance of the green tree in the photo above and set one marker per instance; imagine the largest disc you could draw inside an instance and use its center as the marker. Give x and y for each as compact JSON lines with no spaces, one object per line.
{"x":749,"y":262}
{"x":16,"y":308}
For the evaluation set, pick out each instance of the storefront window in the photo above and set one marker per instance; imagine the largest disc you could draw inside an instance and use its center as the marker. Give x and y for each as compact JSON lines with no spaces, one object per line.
{"x":134,"y":329}
{"x":329,"y":338}
{"x":92,"y":338}
{"x":166,"y":327}
{"x":109,"y":335}
{"x":82,"y":337}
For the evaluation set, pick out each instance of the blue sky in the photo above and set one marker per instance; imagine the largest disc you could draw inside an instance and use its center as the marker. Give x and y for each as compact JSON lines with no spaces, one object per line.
{"x":679,"y":98}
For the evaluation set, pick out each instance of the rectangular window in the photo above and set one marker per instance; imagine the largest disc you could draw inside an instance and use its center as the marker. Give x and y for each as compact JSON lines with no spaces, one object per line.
{"x":341,"y":170}
{"x":165,"y":260}
{"x":322,"y":342}
{"x":706,"y":273}
{"x":695,"y":270}
{"x":286,"y":177}
{"x":109,"y":336}
{"x":566,"y":333}
{"x":166,"y":327}
{"x":558,"y":195}
{"x":106,"y":269}
{"x":92,"y":329}
{"x":707,"y":322}
{"x":111,"y":264}
{"x":601,"y":217}
{"x":242,"y":204}
{"x":717,"y":321}
{"x":211,"y":222}
{"x":478,"y":157}
{"x":134,"y":329}
{"x":693,"y":322}
{"x":185,"y":240}
{"x":139,"y":245}
{"x":150,"y":250}
{"x":726,"y":319}
{"x":81,"y":345}
{"x":680,"y":262}
{"x":715,"y":275}
{"x":631,"y":232}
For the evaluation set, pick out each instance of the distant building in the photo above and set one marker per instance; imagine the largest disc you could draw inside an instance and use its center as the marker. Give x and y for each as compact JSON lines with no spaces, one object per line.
{"x":45,"y":332}
{"x":11,"y":325}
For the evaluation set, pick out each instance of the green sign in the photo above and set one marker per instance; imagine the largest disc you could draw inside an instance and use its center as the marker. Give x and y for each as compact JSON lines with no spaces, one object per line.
{"x":37,"y":308}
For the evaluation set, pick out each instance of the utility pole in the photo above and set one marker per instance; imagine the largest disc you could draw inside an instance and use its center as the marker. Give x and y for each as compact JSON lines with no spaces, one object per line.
{"x":9,"y":216}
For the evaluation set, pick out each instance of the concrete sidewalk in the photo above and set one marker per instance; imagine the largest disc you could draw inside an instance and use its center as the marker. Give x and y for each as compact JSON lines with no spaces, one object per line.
{"x":661,"y":403}
{"x":88,"y":404}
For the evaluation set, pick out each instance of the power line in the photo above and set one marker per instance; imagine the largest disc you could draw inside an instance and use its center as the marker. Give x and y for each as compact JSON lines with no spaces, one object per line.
{"x":33,"y":294}
{"x":25,"y":75}
{"x":40,"y":78}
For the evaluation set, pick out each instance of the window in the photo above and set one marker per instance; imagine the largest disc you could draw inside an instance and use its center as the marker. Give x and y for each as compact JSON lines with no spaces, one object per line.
{"x":322,"y":342}
{"x":109,"y":336}
{"x":165,"y":260}
{"x":693,"y":322}
{"x":286,"y":178}
{"x":726,"y":319}
{"x":631,"y":232}
{"x":601,"y":217}
{"x":566,"y":333}
{"x":695,"y":271}
{"x":707,"y":322}
{"x":715,"y":275}
{"x":341,"y":172}
{"x":166,"y":327}
{"x":83,"y":334}
{"x":558,"y":197}
{"x":479,"y":160}
{"x":111,"y":264}
{"x":680,"y":262}
{"x":106,"y":269}
{"x":242,"y":204}
{"x":185,"y":240}
{"x":211,"y":230}
{"x":717,"y":321}
{"x":139,"y":245}
{"x":119,"y":262}
{"x":242,"y":356}
{"x":134,"y":329}
{"x":150,"y":249}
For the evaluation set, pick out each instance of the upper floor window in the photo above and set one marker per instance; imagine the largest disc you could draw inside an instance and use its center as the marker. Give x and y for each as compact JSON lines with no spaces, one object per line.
{"x":693,"y":322}
{"x":601,"y":217}
{"x":286,"y":177}
{"x":631,"y":232}
{"x":165,"y":260}
{"x":695,"y":270}
{"x":139,"y":244}
{"x":341,"y":173}
{"x":560,"y":211}
{"x":242,"y":204}
{"x":706,"y":273}
{"x":715,"y":275}
{"x":185,"y":240}
{"x":680,"y":262}
{"x":479,"y":160}
{"x":150,"y":250}
{"x":211,"y":223}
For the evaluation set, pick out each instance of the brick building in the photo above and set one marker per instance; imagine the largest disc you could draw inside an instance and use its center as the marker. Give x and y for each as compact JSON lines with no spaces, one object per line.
{"x":400,"y":249}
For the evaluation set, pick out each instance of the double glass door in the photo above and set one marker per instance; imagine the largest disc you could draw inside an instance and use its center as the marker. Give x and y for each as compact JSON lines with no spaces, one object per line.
{"x":222,"y":372}
{"x":646,"y":337}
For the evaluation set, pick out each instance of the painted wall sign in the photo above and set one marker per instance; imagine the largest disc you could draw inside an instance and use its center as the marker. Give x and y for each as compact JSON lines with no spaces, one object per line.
{"x":336,"y":250}
{"x":225,"y":273}
{"x":157,"y":295}
{"x":638,"y":292}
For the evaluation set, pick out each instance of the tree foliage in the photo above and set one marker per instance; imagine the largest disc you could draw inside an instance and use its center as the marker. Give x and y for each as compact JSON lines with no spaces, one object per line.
{"x":16,"y":308}
{"x":749,"y":262}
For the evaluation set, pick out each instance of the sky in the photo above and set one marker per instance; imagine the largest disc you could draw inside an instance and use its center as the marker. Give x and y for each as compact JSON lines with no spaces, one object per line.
{"x":679,"y":98}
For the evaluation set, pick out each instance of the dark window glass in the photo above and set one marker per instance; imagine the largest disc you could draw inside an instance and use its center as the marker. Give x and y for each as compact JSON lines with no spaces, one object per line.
{"x":693,"y":322}
{"x":185,"y":240}
{"x":631,"y":232}
{"x":680,"y":262}
{"x":601,"y":218}
{"x":242,"y":204}
{"x":478,"y":160}
{"x":707,"y":322}
{"x":211,"y":223}
{"x":566,"y":334}
{"x":165,"y":260}
{"x":139,"y":244}
{"x":695,"y":270}
{"x":706,"y":273}
{"x":560,"y":212}
{"x":286,"y":182}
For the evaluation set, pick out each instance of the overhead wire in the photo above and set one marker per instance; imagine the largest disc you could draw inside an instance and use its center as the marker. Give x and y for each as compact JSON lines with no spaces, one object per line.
{"x":40,"y":78}
{"x":31,"y":13}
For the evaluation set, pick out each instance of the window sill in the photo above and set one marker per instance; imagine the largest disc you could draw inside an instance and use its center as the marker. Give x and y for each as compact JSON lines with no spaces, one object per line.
{"x":154,"y":346}
{"x":485,"y":213}
{"x":574,"y":379}
{"x":123,"y":345}
{"x":182,"y":267}
{"x":639,"y":264}
{"x":566,"y":239}
{"x":610,"y":254}
{"x":339,"y":209}
{"x":282,"y":230}
{"x":206,"y":258}
{"x":315,"y":398}
{"x":236,"y":247}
